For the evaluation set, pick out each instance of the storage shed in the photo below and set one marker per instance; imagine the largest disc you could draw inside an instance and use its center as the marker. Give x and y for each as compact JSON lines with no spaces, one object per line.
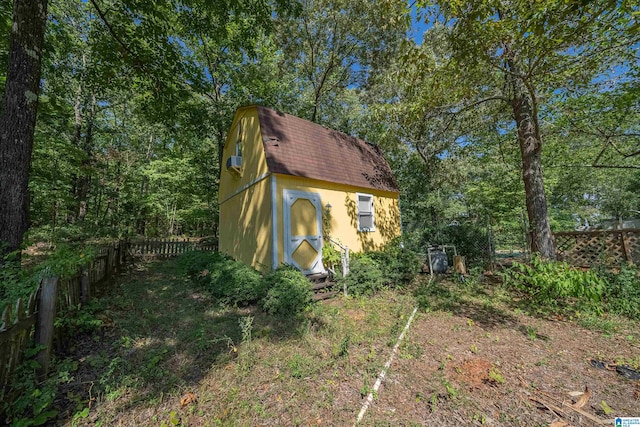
{"x":288,"y":184}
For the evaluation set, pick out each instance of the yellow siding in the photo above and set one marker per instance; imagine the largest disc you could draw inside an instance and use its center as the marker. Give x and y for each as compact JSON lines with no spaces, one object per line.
{"x":343,"y":218}
{"x":246,"y":229}
{"x":245,"y":202}
{"x":245,"y":226}
{"x":254,"y":161}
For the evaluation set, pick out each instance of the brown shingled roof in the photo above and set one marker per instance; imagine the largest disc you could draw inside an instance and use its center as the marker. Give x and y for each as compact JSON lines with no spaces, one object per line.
{"x":298,"y":147}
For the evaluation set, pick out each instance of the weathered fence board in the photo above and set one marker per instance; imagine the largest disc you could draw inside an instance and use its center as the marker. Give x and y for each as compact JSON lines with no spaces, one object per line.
{"x":46,"y":322}
{"x":608,"y":247}
{"x":21,"y":325}
{"x":15,"y":334}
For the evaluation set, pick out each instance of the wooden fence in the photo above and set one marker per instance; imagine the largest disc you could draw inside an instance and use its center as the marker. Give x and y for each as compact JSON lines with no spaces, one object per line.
{"x":33,"y":319}
{"x":154,"y":248}
{"x":608,"y":247}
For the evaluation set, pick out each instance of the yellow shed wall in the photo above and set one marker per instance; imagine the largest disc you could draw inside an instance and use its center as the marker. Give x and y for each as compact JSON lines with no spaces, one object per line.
{"x":245,"y":201}
{"x":254,"y":161}
{"x":246,"y":229}
{"x":342,"y":222}
{"x":245,"y":226}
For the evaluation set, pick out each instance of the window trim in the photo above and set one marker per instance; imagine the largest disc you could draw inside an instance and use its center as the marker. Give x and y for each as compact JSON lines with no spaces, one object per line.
{"x":373,"y":213}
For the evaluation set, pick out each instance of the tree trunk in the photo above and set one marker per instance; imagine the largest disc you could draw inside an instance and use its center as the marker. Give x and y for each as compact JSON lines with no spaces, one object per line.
{"x":18,"y":119}
{"x":77,"y":135}
{"x":84,"y":179}
{"x":531,"y":152}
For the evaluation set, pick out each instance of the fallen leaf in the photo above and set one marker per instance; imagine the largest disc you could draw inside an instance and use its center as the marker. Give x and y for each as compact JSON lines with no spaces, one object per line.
{"x":187,"y":399}
{"x":583,"y":399}
{"x":576,"y":393}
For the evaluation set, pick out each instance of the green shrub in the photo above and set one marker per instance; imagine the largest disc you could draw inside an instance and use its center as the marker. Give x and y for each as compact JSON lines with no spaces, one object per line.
{"x":400,"y":265}
{"x":551,"y":284}
{"x":197,"y":264}
{"x":289,"y":292}
{"x":435,"y":295}
{"x":623,"y":292}
{"x":65,"y":260}
{"x":33,"y":401}
{"x":14,"y":284}
{"x":331,"y":257}
{"x":235,"y":283}
{"x":365,"y":276}
{"x":17,"y":282}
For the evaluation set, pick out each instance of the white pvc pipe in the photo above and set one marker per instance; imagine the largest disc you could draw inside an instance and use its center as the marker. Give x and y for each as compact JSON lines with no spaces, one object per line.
{"x":383,"y":373}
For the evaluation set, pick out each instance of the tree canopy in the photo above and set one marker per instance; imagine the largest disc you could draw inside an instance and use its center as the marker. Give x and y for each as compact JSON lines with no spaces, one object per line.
{"x":521,"y":116}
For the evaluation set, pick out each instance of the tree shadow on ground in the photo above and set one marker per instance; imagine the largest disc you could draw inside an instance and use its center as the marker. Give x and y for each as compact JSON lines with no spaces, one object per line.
{"x":473,"y":302}
{"x":480,"y":303}
{"x":160,"y":335}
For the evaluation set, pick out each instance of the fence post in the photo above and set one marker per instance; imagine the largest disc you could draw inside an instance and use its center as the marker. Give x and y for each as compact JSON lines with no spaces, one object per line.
{"x":85,"y":292}
{"x":117,"y":257}
{"x":626,"y":246}
{"x":109,"y":263}
{"x":345,"y":267}
{"x":45,"y":322}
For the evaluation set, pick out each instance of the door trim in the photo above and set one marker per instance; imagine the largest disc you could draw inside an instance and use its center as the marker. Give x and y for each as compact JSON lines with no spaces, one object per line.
{"x":274,"y":223}
{"x":315,"y":199}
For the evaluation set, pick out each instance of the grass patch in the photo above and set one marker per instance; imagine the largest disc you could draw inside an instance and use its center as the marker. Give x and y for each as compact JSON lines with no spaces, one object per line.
{"x":169,"y":351}
{"x":167,"y":336}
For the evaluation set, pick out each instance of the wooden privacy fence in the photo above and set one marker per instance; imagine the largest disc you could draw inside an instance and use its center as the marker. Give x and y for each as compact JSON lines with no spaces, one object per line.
{"x":155,"y":248}
{"x":609,"y":247}
{"x":33,"y":319}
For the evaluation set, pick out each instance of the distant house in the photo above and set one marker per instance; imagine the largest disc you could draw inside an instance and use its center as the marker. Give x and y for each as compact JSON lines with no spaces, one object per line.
{"x":287,"y":184}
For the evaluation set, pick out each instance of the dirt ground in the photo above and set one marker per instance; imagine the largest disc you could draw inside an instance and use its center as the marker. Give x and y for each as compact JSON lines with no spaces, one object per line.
{"x":167,"y":355}
{"x":492,"y":368}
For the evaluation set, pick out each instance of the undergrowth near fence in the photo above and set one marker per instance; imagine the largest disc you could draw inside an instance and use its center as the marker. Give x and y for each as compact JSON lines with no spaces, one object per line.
{"x":73,"y":275}
{"x":64,"y":261}
{"x":33,"y":400}
{"x":558,"y":286}
{"x":623,"y":291}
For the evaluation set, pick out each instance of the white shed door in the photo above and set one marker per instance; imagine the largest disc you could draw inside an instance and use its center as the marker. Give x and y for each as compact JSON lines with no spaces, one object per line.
{"x":303,"y":231}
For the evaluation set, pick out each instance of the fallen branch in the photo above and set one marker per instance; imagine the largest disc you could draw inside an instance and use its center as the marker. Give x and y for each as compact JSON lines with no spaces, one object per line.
{"x":564,"y":404}
{"x":552,"y":408}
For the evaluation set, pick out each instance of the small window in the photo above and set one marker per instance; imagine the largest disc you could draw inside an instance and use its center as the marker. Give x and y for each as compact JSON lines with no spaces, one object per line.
{"x":365,"y":212}
{"x":239,"y":138}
